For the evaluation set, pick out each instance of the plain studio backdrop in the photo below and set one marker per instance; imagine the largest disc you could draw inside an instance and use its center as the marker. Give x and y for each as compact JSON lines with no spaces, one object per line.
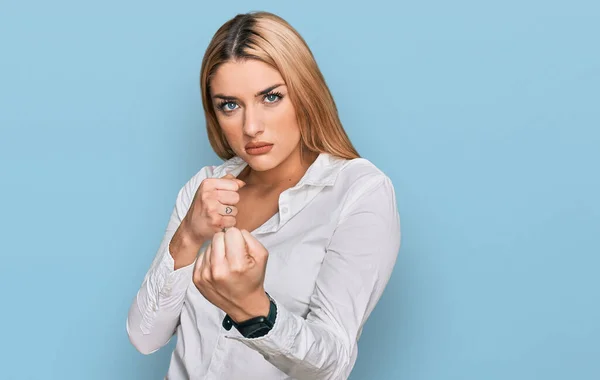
{"x":486,"y":116}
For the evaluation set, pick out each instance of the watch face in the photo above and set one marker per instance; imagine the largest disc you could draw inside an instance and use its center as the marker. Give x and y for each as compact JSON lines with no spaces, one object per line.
{"x":254,"y":327}
{"x":227,"y":323}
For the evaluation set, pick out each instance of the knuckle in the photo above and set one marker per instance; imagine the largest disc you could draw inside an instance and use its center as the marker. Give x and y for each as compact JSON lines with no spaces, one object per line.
{"x":229,"y":221}
{"x":211,"y":207}
{"x":206,"y":275}
{"x":199,"y":278}
{"x":205,"y":196}
{"x":262,"y":254}
{"x":218,"y":274}
{"x":206,"y":182}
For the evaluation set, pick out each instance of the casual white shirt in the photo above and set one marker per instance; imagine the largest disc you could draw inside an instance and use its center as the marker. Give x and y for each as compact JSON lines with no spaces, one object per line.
{"x":332,"y":247}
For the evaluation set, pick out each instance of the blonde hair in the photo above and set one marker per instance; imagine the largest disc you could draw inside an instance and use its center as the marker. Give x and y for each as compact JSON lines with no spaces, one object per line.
{"x":269,"y":38}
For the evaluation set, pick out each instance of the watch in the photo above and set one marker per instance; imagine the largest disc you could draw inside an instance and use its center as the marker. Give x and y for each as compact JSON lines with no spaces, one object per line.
{"x":254,"y":327}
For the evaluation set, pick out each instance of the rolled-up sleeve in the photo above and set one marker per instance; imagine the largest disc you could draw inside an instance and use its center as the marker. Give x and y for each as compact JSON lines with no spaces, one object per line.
{"x":154,"y":313}
{"x":357,"y":266}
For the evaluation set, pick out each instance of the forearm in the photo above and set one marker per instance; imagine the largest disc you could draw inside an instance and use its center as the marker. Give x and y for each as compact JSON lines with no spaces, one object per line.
{"x":155,"y":310}
{"x":303,"y":349}
{"x":154,"y":313}
{"x":183,"y":248}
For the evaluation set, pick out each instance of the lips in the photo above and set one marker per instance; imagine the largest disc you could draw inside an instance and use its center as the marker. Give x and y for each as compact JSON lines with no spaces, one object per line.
{"x":259,"y":144}
{"x":260,"y":147}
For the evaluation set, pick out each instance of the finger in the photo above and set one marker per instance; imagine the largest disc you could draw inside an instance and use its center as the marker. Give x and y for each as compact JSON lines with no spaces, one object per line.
{"x":230,"y":184}
{"x":237,"y":180}
{"x":205,"y":267}
{"x":201,"y":264}
{"x":228,"y":197}
{"x":227,"y":221}
{"x":255,"y":249}
{"x":227,"y":210}
{"x":235,"y":250}
{"x":218,"y":259}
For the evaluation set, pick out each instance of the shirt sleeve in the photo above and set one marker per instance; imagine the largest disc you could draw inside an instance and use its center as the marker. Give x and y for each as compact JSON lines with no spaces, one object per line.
{"x":154,"y":313}
{"x":357,"y":266}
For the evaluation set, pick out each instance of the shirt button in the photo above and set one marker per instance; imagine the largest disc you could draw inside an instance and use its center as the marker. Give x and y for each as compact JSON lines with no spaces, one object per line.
{"x":284,"y":210}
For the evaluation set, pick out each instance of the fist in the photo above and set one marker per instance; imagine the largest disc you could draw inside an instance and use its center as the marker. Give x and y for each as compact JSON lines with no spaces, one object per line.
{"x":213,"y":208}
{"x":231,"y":272}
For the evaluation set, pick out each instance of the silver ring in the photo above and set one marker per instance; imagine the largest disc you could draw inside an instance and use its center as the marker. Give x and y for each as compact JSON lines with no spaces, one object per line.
{"x":228,"y":210}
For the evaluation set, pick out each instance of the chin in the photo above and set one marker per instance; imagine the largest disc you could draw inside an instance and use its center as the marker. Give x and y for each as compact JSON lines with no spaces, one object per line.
{"x":261,"y":163}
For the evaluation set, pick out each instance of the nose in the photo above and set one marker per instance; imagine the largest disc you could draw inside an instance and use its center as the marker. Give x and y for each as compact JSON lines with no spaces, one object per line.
{"x":253,"y":125}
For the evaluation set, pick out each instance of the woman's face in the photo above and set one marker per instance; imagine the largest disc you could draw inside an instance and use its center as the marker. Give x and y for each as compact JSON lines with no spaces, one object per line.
{"x":255,"y":113}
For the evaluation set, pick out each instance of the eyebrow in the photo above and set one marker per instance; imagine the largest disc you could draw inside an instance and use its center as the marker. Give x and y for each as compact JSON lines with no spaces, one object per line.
{"x":263,"y":92}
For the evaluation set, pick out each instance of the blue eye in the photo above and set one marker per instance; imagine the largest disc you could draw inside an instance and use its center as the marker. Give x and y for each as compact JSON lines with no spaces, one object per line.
{"x":271,"y":98}
{"x":227,"y":106}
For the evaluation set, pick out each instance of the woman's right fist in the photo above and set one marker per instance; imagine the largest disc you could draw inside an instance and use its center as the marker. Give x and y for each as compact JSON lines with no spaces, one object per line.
{"x":213,"y":208}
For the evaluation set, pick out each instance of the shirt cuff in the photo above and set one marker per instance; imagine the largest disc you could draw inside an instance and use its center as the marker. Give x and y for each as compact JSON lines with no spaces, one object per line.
{"x":164,"y":290}
{"x":172,"y":282}
{"x":279,"y":339}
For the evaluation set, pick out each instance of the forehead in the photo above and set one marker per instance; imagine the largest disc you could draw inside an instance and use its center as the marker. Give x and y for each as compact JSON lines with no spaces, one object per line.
{"x":244,"y":78}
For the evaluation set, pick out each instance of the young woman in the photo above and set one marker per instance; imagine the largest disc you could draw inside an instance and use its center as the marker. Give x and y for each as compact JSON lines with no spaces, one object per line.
{"x":272,"y":261}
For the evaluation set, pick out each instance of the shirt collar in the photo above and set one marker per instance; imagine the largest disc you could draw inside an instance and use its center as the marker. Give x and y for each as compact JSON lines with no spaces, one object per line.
{"x":323,"y":171}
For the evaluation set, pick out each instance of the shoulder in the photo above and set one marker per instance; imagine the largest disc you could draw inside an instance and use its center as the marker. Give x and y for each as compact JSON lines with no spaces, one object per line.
{"x":359,"y":174}
{"x":360,"y":181}
{"x":361,"y":169}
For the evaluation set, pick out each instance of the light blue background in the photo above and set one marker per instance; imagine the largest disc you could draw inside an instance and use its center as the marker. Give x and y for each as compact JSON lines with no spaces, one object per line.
{"x":486,"y":115}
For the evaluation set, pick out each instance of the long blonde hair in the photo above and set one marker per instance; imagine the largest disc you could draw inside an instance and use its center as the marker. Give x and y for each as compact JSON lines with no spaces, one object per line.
{"x":269,"y":38}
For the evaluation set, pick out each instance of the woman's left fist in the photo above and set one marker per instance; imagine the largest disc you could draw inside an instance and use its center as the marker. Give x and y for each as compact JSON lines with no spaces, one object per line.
{"x":231,"y":272}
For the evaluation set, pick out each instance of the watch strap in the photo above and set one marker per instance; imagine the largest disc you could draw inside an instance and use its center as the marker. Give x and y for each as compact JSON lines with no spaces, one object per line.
{"x":254,"y":327}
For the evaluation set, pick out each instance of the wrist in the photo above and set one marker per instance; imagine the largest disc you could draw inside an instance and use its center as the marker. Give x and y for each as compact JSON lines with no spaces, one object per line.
{"x":184,"y":248}
{"x":187,"y":235}
{"x":254,"y":327}
{"x":255,"y":306}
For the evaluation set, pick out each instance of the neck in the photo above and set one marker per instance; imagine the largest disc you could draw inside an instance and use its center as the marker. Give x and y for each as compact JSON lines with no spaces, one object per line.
{"x":287,"y":174}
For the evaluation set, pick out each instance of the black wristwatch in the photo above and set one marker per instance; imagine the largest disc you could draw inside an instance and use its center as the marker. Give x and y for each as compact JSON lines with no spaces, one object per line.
{"x":254,"y":327}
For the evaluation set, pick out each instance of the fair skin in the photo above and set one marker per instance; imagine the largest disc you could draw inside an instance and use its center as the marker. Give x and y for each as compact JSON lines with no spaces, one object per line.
{"x":252,"y":105}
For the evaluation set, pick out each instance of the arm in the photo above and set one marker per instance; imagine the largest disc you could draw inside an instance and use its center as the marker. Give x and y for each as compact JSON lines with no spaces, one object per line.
{"x":154,"y":312}
{"x":356,"y":268}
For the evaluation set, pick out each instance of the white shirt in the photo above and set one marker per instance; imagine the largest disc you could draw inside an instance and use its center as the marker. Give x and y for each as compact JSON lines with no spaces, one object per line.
{"x":332,"y":247}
